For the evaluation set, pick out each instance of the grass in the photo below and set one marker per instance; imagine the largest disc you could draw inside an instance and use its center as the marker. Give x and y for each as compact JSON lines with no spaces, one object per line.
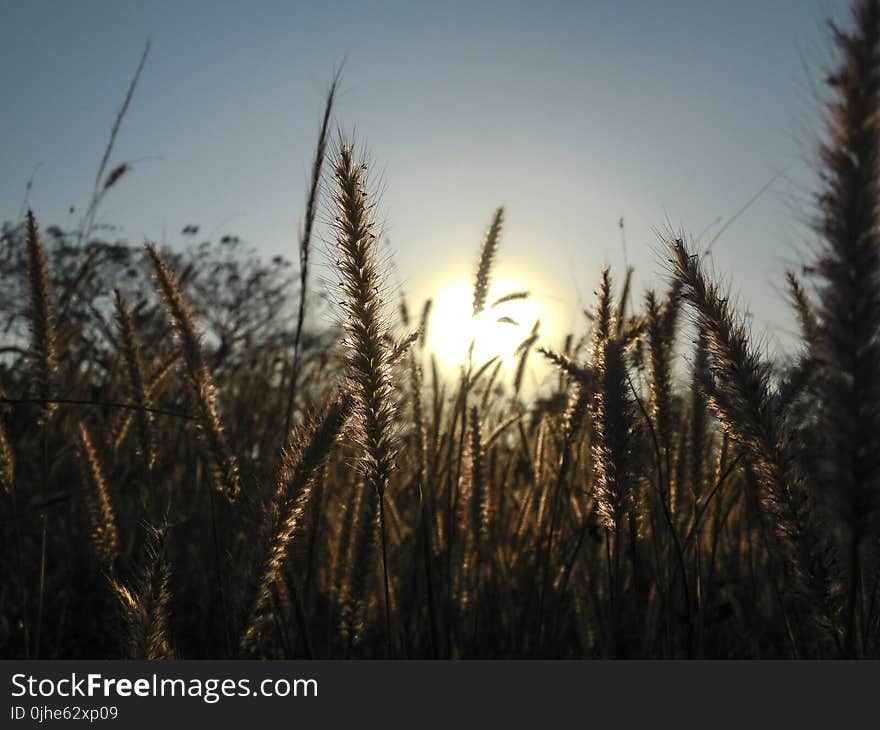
{"x":148,"y":511}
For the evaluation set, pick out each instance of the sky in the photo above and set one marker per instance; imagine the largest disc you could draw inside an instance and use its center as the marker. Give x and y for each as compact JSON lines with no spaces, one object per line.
{"x":571,"y":115}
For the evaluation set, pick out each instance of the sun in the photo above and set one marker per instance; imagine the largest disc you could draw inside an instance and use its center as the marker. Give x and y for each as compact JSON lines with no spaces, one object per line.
{"x":497,"y":332}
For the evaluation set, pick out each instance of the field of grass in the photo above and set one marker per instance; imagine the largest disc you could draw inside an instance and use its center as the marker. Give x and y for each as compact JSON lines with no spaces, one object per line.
{"x":192,"y":465}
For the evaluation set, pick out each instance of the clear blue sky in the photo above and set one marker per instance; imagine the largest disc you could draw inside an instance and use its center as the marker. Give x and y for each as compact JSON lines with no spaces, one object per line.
{"x":570,"y":114}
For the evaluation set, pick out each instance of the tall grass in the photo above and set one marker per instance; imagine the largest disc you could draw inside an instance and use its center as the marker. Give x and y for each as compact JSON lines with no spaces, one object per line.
{"x":670,"y":493}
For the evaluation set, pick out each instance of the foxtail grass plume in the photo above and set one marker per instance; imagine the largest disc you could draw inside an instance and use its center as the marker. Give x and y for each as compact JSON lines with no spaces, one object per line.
{"x":487,"y":256}
{"x":42,"y":322}
{"x":104,"y":534}
{"x":585,"y":382}
{"x":137,"y":385}
{"x":847,"y":340}
{"x":283,"y":515}
{"x":222,"y":464}
{"x":803,"y":308}
{"x":124,"y":418}
{"x":739,"y":390}
{"x":615,"y":439}
{"x":479,"y":496}
{"x":145,"y":605}
{"x":368,"y":353}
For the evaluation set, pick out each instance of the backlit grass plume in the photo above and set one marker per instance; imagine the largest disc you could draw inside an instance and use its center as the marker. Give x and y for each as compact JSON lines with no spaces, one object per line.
{"x":803,"y":307}
{"x":487,"y":256}
{"x":478,"y":497}
{"x":473,"y":514}
{"x":284,"y":513}
{"x":603,"y":320}
{"x":739,"y":390}
{"x":369,"y":356}
{"x":615,"y":440}
{"x":847,"y":339}
{"x":123,"y":418}
{"x":104,"y":534}
{"x":222,"y":464}
{"x":584,"y":382}
{"x":42,"y":323}
{"x":368,"y":352}
{"x":137,"y":385}
{"x":145,"y":605}
{"x":660,"y":327}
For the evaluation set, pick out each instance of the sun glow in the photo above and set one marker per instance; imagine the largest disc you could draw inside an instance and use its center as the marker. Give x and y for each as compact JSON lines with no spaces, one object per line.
{"x":497,"y":332}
